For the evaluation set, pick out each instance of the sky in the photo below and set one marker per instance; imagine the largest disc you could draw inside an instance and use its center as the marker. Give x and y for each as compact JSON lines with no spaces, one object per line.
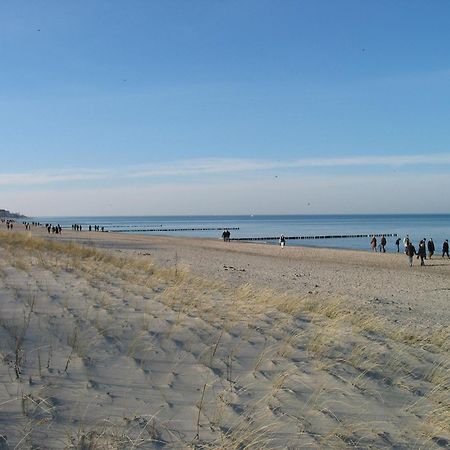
{"x":151,"y":107}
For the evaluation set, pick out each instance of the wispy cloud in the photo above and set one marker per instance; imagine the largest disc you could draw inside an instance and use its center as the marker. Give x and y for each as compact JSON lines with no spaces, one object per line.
{"x":216,"y":166}
{"x":309,"y":194}
{"x":390,"y":160}
{"x":52,"y":176}
{"x":187,"y":168}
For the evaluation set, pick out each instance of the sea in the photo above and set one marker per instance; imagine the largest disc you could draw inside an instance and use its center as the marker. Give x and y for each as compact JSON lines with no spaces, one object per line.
{"x":268,"y":228}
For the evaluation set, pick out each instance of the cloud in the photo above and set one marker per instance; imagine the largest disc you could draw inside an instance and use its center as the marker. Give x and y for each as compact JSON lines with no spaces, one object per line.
{"x":49,"y":177}
{"x":390,"y":160}
{"x":355,"y":194}
{"x":187,"y":168}
{"x":227,"y":165}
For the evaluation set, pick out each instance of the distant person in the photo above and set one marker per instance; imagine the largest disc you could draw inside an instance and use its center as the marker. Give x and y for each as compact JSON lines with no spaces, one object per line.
{"x":397,"y":244}
{"x":431,"y":248}
{"x":373,"y":244}
{"x":410,"y":252}
{"x":282,"y":241}
{"x":383,"y":244}
{"x":425,"y":245}
{"x":445,"y":248}
{"x":224,"y":235}
{"x":422,"y":252}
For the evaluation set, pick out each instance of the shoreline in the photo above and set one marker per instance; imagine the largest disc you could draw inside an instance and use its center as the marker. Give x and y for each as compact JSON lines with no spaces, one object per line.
{"x":434,"y":226}
{"x":362,"y":277}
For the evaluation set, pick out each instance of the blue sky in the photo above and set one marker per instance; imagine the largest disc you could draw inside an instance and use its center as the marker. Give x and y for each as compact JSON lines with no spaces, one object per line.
{"x":222,"y":107}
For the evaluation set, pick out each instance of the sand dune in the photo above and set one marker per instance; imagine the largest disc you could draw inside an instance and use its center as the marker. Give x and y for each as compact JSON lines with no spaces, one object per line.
{"x":122,"y":341}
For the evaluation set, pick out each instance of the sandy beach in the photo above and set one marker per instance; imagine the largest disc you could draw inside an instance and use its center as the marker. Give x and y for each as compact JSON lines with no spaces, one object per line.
{"x":114,"y":341}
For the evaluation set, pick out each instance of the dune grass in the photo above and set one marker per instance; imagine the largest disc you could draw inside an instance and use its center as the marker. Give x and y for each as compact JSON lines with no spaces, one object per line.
{"x":302,"y":346}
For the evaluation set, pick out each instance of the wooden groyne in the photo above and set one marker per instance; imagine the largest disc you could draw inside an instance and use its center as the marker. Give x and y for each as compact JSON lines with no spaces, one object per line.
{"x":174,"y":229}
{"x":336,"y":236}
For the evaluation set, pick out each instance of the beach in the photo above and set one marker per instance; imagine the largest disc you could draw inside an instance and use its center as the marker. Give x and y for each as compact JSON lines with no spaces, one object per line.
{"x":114,"y":340}
{"x":379,"y":282}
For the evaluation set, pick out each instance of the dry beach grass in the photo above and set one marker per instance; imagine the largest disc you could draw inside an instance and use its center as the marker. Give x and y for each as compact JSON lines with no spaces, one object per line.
{"x":111,"y":342}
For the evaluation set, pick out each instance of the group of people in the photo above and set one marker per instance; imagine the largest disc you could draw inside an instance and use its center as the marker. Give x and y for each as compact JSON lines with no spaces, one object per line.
{"x":226,"y":235}
{"x":28,"y":225}
{"x":410,"y":250}
{"x":421,"y":252}
{"x":424,"y":246}
{"x":382,"y":245}
{"x":77,"y":227}
{"x":54,"y":229}
{"x":96,"y":228}
{"x":9,"y":224}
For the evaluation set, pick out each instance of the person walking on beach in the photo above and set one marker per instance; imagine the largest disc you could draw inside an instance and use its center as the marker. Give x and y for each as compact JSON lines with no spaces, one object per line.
{"x":410,"y":252}
{"x":431,"y":248}
{"x":383,"y":244}
{"x":445,"y":249}
{"x":373,"y":243}
{"x":282,"y":241}
{"x":422,"y":252}
{"x":397,"y":244}
{"x":226,"y":235}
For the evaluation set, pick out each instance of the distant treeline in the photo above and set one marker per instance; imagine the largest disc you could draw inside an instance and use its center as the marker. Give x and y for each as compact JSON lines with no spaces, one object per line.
{"x":4,"y":213}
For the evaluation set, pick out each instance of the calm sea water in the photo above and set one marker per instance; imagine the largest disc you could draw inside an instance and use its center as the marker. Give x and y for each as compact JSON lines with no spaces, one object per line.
{"x":418,"y":226}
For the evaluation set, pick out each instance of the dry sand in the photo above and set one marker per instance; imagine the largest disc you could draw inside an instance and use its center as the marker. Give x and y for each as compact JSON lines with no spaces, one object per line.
{"x":155,"y":342}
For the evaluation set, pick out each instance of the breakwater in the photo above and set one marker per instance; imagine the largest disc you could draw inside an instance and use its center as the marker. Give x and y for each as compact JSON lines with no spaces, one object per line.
{"x":336,"y":236}
{"x":142,"y":230}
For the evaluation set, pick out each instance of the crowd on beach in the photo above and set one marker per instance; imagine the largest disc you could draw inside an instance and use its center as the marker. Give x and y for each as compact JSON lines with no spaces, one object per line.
{"x":77,"y":227}
{"x":54,"y":229}
{"x":9,"y":223}
{"x":424,"y":247}
{"x":51,"y":229}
